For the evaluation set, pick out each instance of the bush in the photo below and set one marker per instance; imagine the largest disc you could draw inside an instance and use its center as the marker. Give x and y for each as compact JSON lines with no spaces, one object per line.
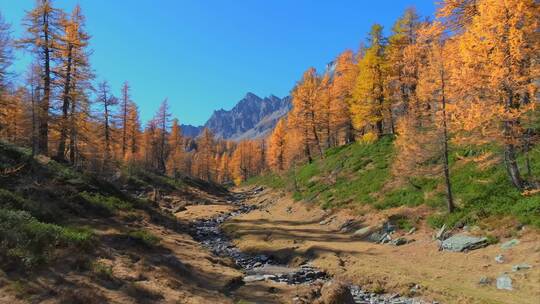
{"x":10,"y":200}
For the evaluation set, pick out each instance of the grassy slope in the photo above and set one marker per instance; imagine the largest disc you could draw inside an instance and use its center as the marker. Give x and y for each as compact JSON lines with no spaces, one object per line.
{"x":46,"y":209}
{"x":361,"y":174}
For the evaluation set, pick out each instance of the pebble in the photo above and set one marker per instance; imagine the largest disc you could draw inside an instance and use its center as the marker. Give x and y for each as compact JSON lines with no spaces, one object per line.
{"x":499,"y":259}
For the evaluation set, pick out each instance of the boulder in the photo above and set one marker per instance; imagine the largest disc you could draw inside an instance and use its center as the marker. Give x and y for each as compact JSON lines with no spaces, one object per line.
{"x":460,"y":242}
{"x":335,"y":292}
{"x":504,"y":282}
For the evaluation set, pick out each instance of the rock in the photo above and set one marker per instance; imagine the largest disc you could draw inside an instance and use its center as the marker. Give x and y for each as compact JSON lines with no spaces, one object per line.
{"x":460,"y":242}
{"x":346,"y":227}
{"x":499,"y":259}
{"x":335,"y":292}
{"x":413,"y":230}
{"x":179,"y":208}
{"x":362,"y":232}
{"x":389,"y":227}
{"x":385,"y":239}
{"x":253,"y":278}
{"x":441,"y":233}
{"x":376,"y":237}
{"x":258,"y":264}
{"x":484,"y":281}
{"x":399,"y":241}
{"x":510,"y":244}
{"x":519,"y":267}
{"x":504,"y":282}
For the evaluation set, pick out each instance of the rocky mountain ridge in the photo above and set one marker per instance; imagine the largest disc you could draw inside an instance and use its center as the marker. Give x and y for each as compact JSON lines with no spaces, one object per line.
{"x":251,"y":118}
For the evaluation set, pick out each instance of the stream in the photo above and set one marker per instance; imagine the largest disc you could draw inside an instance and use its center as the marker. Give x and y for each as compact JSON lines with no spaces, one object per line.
{"x":260,"y":267}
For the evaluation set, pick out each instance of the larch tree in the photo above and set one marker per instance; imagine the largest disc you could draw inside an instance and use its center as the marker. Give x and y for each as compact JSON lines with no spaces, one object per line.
{"x":303,"y":116}
{"x":73,"y":72}
{"x":44,"y":32}
{"x":205,"y":155}
{"x":340,"y":91}
{"x":125,"y":101}
{"x":133,"y":132}
{"x":6,"y":59}
{"x":498,"y":63}
{"x":276,"y":147}
{"x":402,"y":61}
{"x":368,"y":103}
{"x":163,"y":119}
{"x":176,"y":147}
{"x":107,"y":101}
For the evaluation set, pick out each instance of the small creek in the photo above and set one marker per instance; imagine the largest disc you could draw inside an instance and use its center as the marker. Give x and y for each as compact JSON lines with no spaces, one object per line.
{"x":261,"y":267}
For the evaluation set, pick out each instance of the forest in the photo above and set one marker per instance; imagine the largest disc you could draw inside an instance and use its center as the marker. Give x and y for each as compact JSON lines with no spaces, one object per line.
{"x":465,"y":80}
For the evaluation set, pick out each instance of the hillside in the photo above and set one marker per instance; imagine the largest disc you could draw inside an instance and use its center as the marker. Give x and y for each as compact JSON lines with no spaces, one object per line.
{"x":359,"y":176}
{"x":69,"y":237}
{"x":251,"y":118}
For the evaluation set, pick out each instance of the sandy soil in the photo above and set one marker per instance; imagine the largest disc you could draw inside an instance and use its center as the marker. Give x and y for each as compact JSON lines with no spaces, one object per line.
{"x":291,"y":231}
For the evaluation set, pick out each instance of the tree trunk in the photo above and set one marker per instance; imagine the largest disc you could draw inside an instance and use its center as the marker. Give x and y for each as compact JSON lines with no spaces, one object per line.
{"x":60,"y":154}
{"x":43,"y":140}
{"x":446,"y":169}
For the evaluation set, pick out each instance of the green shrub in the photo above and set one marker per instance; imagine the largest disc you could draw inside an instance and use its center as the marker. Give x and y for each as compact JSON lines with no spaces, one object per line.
{"x":11,"y":200}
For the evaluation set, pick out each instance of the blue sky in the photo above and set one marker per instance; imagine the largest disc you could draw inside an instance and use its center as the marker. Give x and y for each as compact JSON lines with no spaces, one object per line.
{"x":205,"y":55}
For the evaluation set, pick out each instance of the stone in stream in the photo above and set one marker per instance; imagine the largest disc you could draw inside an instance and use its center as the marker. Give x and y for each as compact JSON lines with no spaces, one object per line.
{"x":461,"y":242}
{"x":504,"y":282}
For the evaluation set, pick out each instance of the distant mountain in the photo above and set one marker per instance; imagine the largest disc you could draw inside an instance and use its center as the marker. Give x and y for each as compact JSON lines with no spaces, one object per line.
{"x":252,"y":117}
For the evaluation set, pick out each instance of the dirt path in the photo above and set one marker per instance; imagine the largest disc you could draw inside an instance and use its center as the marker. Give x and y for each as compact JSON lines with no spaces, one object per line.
{"x":295,"y":233}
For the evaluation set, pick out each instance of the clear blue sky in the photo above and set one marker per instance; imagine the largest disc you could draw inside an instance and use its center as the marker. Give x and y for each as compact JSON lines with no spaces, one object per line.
{"x":205,"y":55}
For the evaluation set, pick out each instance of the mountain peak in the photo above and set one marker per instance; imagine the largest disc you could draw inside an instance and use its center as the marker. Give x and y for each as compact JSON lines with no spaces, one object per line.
{"x":252,"y":117}
{"x":250,"y":95}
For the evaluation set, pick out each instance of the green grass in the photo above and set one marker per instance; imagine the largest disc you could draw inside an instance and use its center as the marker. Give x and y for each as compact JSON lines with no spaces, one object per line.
{"x":27,"y":242}
{"x":144,"y":238}
{"x":358,"y":173}
{"x":105,"y":205}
